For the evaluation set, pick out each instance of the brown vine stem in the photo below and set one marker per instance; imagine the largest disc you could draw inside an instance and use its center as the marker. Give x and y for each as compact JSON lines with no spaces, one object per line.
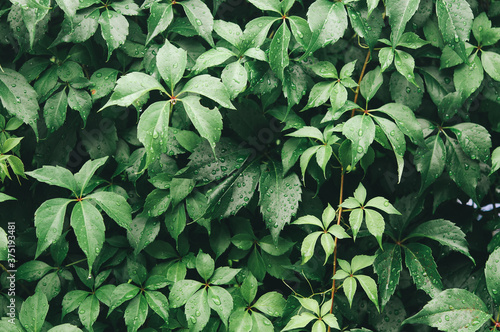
{"x":342,"y":189}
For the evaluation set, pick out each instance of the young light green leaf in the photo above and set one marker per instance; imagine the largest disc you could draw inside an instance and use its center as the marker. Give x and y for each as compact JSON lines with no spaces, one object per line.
{"x":328,"y":245}
{"x":278,"y":51}
{"x":495,"y":160}
{"x":382,"y":204}
{"x":33,"y":312}
{"x":89,"y":229}
{"x":355,"y":219}
{"x":308,"y":245}
{"x":268,"y":5}
{"x":455,"y":22}
{"x":132,"y":88}
{"x":370,"y":288}
{"x":299,"y":321}
{"x":453,"y":310}
{"x":114,"y":29}
{"x":171,"y":62}
{"x":375,"y":223}
{"x":308,"y":131}
{"x":349,"y":286}
{"x":492,"y":275}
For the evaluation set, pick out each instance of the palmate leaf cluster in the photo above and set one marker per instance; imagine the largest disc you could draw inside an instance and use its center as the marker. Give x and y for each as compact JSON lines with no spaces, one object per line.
{"x":249,"y":165}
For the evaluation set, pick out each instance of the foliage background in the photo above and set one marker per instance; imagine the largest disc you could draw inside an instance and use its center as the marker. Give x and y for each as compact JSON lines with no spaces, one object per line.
{"x":154,"y":153}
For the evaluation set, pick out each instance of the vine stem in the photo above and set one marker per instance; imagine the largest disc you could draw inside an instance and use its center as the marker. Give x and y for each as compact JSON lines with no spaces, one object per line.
{"x":341,"y":193}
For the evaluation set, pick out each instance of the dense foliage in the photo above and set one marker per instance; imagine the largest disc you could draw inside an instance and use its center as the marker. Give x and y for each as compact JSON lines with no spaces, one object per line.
{"x":235,"y":165}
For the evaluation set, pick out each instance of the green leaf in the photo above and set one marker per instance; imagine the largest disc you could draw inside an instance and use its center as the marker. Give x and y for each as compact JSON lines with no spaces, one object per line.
{"x":175,"y":220}
{"x":88,"y":311}
{"x":371,"y":83}
{"x":279,"y":197}
{"x":223,"y":275}
{"x":370,"y":288}
{"x":234,"y":76}
{"x":430,"y":161}
{"x":81,"y":102}
{"x":152,"y":130}
{"x":474,"y":139}
{"x":55,"y":176}
{"x":405,"y":120}
{"x":208,"y":122}
{"x":455,"y":22}
{"x":85,"y":174}
{"x":453,"y":310}
{"x":308,"y":220}
{"x":114,"y":29}
{"x":157,"y":202}
{"x":19,"y":97}
{"x":89,"y":229}
{"x":271,"y":304}
{"x":182,"y":291}
{"x":463,"y":171}
{"x":33,"y":312}
{"x":103,"y":81}
{"x":171,"y":62}
{"x":209,"y":87}
{"x":197,"y":310}
{"x":262,"y":323}
{"x":205,"y":265}
{"x":495,"y":160}
{"x":444,"y":232}
{"x":400,"y":12}
{"x":136,"y":313}
{"x":72,"y":300}
{"x":397,"y":140}
{"x":382,"y":204}
{"x":278,"y":51}
{"x":200,"y":17}
{"x":355,"y":219}
{"x":4,"y":197}
{"x":491,"y":63}
{"x":300,"y":30}
{"x":256,"y":31}
{"x":49,"y":222}
{"x":158,"y":302}
{"x":231,"y":32}
{"x":131,"y":88}
{"x":468,"y":77}
{"x":211,"y":58}
{"x":388,"y":266}
{"x":360,"y":130}
{"x":492,"y":276}
{"x":412,"y":40}
{"x":240,"y":320}
{"x":404,"y":92}
{"x":308,"y":245}
{"x":386,"y":57}
{"x":221,"y":302}
{"x":327,"y":21}
{"x":299,"y":321}
{"x":33,"y":270}
{"x":268,"y":5}
{"x":422,"y":267}
{"x":249,"y":288}
{"x":366,"y":26}
{"x":328,"y":245}
{"x":308,"y":131}
{"x":320,"y":93}
{"x":159,"y":20}
{"x":115,"y":206}
{"x":405,"y":64}
{"x":349,"y":286}
{"x":123,"y":293}
{"x":375,"y":223}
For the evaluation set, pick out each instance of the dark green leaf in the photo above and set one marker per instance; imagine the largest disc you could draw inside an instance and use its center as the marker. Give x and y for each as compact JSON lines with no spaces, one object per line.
{"x":474,"y":140}
{"x":400,"y":12}
{"x":422,"y":267}
{"x":430,"y":161}
{"x":463,"y":171}
{"x":136,"y":313}
{"x":49,"y":222}
{"x":114,"y":29}
{"x":278,"y":51}
{"x":388,"y":267}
